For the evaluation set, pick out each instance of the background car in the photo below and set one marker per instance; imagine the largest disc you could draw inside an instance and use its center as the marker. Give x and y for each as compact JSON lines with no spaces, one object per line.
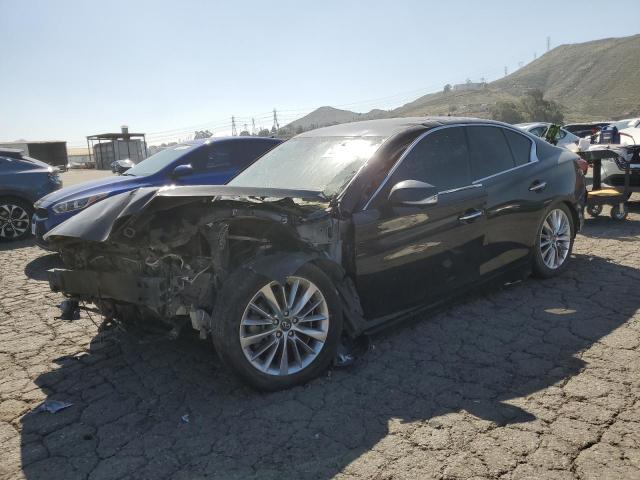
{"x":627,"y":123}
{"x":564,"y":137}
{"x":211,"y":161}
{"x":121,"y":166}
{"x":337,"y":232}
{"x":23,"y":180}
{"x":584,"y":130}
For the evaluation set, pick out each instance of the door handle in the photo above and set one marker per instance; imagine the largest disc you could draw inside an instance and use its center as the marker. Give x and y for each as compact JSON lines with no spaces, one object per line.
{"x":471,"y":215}
{"x":537,"y":186}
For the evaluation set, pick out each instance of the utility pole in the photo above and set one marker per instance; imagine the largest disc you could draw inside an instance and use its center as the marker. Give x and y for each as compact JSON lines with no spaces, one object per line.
{"x":253,"y":127}
{"x":245,"y":129}
{"x":234,"y":131}
{"x":548,"y":43}
{"x":505,"y":71}
{"x":276,"y":125}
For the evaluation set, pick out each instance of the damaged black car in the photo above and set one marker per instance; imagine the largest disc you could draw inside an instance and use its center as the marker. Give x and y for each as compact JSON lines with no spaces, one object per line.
{"x":331,"y":235}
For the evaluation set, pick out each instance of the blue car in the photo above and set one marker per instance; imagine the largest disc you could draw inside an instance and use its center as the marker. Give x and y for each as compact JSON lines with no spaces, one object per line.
{"x":23,"y":180}
{"x":212,"y":161}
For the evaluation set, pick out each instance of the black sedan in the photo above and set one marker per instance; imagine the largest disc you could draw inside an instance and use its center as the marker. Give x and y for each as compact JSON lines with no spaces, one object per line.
{"x":333,"y":234}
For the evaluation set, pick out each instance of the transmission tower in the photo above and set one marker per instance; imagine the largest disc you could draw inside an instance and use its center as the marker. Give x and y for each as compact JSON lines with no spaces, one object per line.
{"x":253,"y":127}
{"x":548,"y":43}
{"x":276,"y":125}
{"x":505,"y":71}
{"x":245,"y":129}
{"x":234,"y":131}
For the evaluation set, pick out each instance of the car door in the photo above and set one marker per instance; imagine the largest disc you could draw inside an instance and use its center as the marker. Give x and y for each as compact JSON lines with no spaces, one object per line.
{"x":408,"y":255}
{"x":504,"y":162}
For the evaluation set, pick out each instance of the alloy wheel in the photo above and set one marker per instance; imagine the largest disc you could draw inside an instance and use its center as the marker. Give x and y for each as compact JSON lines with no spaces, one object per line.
{"x":14,"y":221}
{"x":284,"y":327}
{"x":555,"y":239}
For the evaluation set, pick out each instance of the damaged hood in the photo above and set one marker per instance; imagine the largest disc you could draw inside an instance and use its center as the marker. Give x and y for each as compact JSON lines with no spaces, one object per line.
{"x":97,"y":222}
{"x":110,"y":185}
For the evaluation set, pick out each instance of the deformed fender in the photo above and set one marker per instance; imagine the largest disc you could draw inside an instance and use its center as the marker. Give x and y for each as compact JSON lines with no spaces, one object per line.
{"x":280,"y":265}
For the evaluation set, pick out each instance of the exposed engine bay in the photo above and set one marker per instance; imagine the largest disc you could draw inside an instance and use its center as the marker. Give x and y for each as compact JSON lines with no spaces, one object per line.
{"x":168,"y":260}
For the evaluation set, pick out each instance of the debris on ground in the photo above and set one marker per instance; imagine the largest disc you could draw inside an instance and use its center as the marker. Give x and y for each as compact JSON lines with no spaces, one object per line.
{"x":185,"y":418}
{"x":52,"y":406}
{"x":69,"y":310}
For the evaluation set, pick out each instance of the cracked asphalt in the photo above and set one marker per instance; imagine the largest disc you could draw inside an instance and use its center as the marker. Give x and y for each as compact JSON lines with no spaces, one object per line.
{"x":540,"y":380}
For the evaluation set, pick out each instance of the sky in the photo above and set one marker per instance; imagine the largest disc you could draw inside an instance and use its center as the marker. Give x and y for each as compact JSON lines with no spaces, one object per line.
{"x":72,"y":68}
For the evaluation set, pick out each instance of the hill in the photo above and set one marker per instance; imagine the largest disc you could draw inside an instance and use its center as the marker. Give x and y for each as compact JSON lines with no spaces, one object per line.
{"x":323,"y":116}
{"x":592,"y":81}
{"x":597,"y":79}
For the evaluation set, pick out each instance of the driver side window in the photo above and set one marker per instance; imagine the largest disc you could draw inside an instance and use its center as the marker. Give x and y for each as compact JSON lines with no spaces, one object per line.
{"x":441,"y":159}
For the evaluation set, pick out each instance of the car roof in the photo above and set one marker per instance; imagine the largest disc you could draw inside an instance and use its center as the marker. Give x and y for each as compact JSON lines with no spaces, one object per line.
{"x":202,"y":141}
{"x":532,"y":124}
{"x":588,"y":123}
{"x":390,"y":126}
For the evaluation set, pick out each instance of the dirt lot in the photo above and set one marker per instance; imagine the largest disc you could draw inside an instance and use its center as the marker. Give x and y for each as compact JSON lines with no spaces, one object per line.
{"x":73,"y":177}
{"x":537,"y":381}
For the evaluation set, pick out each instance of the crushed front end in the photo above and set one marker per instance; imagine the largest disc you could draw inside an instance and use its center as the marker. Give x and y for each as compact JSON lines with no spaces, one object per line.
{"x":162,"y":255}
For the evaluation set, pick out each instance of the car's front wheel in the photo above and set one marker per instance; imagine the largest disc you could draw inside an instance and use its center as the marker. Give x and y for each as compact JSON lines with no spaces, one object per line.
{"x":277,"y":335}
{"x":554,"y":242}
{"x":15,"y":219}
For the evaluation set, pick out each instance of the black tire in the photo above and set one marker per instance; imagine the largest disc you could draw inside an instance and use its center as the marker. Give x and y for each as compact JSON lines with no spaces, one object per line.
{"x":594,"y":210}
{"x":12,"y":229}
{"x":540,"y":268}
{"x":239,"y":290}
{"x":619,"y":214}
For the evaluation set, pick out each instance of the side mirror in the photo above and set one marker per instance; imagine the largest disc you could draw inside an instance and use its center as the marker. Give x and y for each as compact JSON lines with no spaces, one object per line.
{"x":182,"y":171}
{"x":413,"y":193}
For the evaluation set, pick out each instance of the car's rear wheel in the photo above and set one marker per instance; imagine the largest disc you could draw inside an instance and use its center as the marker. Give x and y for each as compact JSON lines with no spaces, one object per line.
{"x":277,"y":335}
{"x":554,"y":242}
{"x":15,"y":219}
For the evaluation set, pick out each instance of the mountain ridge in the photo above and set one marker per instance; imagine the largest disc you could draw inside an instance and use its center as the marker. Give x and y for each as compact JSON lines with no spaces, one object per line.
{"x":594,"y":80}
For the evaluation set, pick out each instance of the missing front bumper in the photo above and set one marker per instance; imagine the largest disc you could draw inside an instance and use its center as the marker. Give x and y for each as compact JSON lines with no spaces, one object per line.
{"x":86,"y":284}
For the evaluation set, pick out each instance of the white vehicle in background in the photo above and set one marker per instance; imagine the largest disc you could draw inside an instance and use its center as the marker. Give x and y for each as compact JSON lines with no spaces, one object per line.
{"x":565,"y":138}
{"x":627,"y":123}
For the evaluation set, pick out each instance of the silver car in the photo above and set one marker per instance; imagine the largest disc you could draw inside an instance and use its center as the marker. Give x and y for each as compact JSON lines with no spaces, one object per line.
{"x":564,"y":139}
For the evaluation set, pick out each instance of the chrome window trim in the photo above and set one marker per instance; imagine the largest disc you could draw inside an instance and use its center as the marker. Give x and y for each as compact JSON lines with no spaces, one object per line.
{"x":459,"y":189}
{"x":533,"y":156}
{"x":504,"y":171}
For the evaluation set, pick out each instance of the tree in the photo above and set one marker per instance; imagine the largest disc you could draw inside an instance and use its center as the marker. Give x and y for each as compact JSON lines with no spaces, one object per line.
{"x":534,"y":108}
{"x":245,"y":133}
{"x":264,"y":132}
{"x":506,"y":112}
{"x":447,"y":88}
{"x":299,"y":129}
{"x":202,"y":134}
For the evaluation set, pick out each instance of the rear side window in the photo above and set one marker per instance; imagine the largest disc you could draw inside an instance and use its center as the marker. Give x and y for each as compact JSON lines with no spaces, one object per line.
{"x":441,"y":159}
{"x":230,"y":155}
{"x":488,"y":151}
{"x":520,"y":147}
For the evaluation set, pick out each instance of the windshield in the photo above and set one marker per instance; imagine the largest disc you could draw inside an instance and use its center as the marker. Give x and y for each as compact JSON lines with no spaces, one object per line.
{"x":324,"y":164}
{"x":160,"y":160}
